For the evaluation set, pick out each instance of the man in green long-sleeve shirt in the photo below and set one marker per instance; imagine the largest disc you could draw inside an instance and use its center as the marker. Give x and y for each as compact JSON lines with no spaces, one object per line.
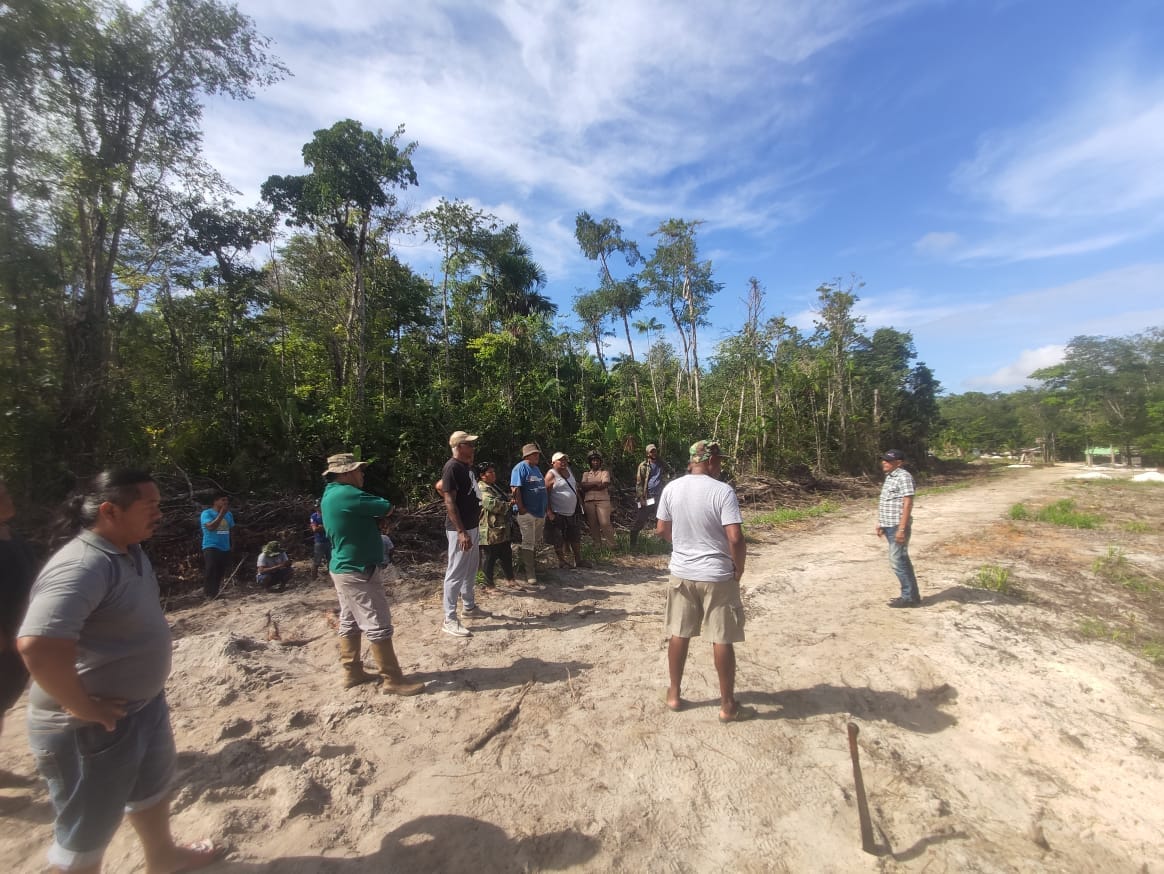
{"x":350,"y":518}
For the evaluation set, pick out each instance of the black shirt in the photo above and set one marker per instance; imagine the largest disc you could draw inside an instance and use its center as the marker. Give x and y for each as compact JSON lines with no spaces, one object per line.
{"x":18,"y":567}
{"x":456,"y":477}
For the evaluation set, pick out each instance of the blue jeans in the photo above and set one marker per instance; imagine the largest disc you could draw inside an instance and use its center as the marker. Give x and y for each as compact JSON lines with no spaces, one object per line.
{"x":95,"y":776}
{"x":902,"y":566}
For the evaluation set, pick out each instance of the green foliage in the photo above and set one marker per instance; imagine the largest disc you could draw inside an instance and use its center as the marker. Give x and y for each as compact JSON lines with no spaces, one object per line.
{"x":994,"y":578}
{"x":1061,"y":512}
{"x":1137,"y":527}
{"x":1064,"y":513}
{"x":137,"y":325}
{"x":786,"y":516}
{"x":1106,"y":392}
{"x":104,"y":103}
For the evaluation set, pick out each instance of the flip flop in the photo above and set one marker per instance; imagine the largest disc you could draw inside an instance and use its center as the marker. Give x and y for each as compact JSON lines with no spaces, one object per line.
{"x":743,"y":712}
{"x":200,"y":854}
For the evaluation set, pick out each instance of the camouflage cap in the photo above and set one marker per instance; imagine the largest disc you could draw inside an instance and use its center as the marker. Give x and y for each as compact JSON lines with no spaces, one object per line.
{"x":704,"y":450}
{"x":343,"y":462}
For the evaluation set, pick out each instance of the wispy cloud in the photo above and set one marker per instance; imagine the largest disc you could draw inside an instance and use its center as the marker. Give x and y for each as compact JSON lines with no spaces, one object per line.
{"x":605,"y":105}
{"x":1086,"y":179}
{"x":1017,"y":373}
{"x":1099,"y":158}
{"x":937,"y":243}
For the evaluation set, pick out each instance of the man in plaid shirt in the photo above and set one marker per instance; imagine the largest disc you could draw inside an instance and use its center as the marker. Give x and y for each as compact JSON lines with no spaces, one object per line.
{"x":894,"y":512}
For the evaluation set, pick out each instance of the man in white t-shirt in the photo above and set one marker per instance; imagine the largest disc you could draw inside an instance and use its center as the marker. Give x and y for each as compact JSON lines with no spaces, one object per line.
{"x":701,"y":517}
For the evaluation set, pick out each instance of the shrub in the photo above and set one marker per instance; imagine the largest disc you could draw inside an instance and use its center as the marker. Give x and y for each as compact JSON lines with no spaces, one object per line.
{"x":994,"y":578}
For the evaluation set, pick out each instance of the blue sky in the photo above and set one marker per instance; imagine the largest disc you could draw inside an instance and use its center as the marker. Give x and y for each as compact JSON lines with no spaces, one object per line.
{"x":992,"y":170}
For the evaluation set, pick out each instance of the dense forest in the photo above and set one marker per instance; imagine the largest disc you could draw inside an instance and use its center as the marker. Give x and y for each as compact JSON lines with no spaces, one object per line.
{"x":149,"y":318}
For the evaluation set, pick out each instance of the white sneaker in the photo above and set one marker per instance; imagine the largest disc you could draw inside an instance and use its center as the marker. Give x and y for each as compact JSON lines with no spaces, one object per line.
{"x":455,"y":628}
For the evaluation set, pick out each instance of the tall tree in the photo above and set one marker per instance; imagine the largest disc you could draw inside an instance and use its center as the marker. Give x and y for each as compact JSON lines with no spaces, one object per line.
{"x":353,"y":174}
{"x":1111,"y":381}
{"x":457,"y":229}
{"x":838,"y":335}
{"x":591,"y":310}
{"x":228,"y":235}
{"x":118,"y":93}
{"x":684,"y":286}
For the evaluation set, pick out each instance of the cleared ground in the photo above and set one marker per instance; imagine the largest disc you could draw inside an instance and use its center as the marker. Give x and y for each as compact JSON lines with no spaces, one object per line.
{"x":1016,"y":731}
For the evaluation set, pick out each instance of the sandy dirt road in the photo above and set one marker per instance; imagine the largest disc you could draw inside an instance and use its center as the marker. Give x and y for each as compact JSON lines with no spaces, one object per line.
{"x":993,"y":738}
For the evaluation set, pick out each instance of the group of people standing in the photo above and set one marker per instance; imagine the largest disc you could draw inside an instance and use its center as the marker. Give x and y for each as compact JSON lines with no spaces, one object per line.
{"x":92,"y":635}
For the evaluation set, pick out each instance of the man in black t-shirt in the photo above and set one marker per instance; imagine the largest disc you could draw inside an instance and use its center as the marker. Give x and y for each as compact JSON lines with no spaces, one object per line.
{"x":18,"y":568}
{"x":463,"y":508}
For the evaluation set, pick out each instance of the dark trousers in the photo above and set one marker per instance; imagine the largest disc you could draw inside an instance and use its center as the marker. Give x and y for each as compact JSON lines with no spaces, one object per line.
{"x":274,"y":580}
{"x":493,"y":553}
{"x":217,"y":562}
{"x":642,"y":515}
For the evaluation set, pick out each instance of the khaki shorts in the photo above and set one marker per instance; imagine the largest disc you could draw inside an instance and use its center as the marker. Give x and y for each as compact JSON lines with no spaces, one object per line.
{"x":714,"y":607}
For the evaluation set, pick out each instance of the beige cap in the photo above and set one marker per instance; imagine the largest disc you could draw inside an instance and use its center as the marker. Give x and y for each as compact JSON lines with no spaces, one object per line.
{"x":558,"y":456}
{"x":652,"y":446}
{"x":459,"y":437}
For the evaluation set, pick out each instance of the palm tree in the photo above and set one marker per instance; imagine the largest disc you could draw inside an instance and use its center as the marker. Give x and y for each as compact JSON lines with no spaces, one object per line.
{"x":512,"y":280}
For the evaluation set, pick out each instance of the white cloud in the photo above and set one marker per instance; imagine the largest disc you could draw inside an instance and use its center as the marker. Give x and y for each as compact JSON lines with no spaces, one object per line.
{"x":1017,"y":373}
{"x":937,"y":243}
{"x":1086,"y":179}
{"x":1099,"y":158}
{"x":601,"y":104}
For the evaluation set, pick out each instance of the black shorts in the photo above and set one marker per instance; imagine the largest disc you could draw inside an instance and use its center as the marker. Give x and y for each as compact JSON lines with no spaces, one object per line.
{"x":564,"y":529}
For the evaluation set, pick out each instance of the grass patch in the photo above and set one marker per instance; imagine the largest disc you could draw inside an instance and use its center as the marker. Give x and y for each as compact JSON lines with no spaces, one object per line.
{"x":1064,"y":513}
{"x":1115,"y":568}
{"x":1137,"y":527}
{"x":1095,"y":629}
{"x":783,"y":517}
{"x":1153,"y":652}
{"x":1059,"y":513}
{"x":1129,"y":637}
{"x":994,"y":578}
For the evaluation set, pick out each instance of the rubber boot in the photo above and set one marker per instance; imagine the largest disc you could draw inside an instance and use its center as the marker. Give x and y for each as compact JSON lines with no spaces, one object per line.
{"x":529,"y":561}
{"x":392,"y":678}
{"x":353,"y":665}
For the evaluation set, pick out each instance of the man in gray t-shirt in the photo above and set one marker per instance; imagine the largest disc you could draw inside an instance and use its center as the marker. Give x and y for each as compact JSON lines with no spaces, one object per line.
{"x":106,"y":602}
{"x":98,"y":648}
{"x":701,"y":517}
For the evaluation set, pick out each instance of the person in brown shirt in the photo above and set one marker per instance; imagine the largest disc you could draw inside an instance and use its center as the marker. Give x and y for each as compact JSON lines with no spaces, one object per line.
{"x":596,"y":500}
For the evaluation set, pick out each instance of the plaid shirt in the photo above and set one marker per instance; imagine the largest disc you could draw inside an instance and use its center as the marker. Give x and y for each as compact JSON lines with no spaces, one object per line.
{"x":898,"y":486}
